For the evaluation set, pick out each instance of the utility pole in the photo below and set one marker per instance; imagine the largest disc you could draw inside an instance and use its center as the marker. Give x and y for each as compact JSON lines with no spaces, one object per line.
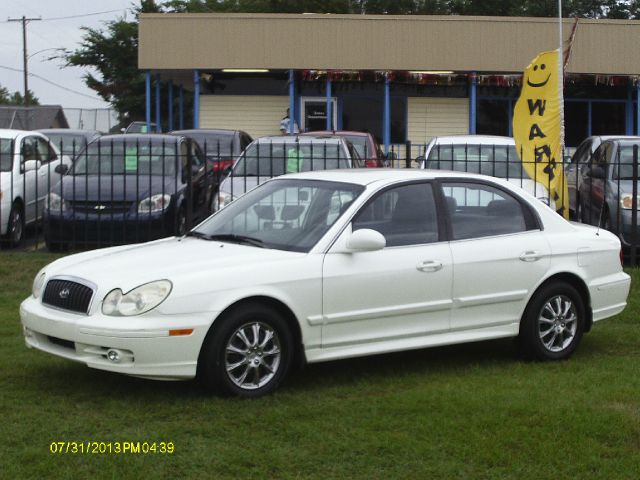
{"x":24,"y":21}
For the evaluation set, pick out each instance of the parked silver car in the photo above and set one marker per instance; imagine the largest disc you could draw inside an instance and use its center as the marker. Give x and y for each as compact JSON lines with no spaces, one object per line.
{"x":269,"y":157}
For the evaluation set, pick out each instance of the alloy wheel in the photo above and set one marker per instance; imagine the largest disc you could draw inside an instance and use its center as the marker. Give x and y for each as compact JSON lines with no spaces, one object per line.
{"x":252,"y":355}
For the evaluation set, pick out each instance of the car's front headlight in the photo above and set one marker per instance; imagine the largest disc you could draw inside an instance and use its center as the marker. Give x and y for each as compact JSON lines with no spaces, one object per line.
{"x":38,"y":283}
{"x":138,"y":301}
{"x":55,"y":203}
{"x":626,"y":201}
{"x":155,"y":203}
{"x":221,"y":200}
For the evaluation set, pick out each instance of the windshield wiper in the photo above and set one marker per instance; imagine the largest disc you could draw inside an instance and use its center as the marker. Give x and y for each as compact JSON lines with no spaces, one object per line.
{"x":229,"y":237}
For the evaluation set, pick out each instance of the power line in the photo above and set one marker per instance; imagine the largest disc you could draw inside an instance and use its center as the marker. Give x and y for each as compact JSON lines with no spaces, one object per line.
{"x":48,"y":81}
{"x":77,"y":16}
{"x":81,"y":15}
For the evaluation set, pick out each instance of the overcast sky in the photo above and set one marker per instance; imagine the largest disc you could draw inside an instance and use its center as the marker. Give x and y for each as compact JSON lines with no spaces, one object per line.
{"x":50,"y":33}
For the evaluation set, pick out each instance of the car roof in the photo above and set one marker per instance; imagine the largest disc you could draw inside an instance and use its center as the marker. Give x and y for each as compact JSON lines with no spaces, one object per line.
{"x":128,"y":137}
{"x":73,"y":131}
{"x":205,"y":131}
{"x":288,"y":139}
{"x":13,"y":133}
{"x":337,"y":133}
{"x":366,"y":176}
{"x":473,"y":140}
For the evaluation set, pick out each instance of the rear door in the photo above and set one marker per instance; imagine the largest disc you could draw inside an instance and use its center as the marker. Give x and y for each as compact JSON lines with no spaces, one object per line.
{"x":499,"y":252}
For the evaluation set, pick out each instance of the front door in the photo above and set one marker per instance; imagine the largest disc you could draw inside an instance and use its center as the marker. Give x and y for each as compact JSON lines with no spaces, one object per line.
{"x":402,"y":292}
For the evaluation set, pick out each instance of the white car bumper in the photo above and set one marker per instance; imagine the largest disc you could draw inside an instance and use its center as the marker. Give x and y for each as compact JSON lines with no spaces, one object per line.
{"x":149,"y":352}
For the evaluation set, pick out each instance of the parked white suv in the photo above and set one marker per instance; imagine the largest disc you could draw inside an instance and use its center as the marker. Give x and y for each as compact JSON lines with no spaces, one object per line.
{"x":486,"y":154}
{"x":29,"y":166}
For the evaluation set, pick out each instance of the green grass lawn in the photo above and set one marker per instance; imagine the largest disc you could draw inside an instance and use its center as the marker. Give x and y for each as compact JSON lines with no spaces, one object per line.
{"x":471,"y":412}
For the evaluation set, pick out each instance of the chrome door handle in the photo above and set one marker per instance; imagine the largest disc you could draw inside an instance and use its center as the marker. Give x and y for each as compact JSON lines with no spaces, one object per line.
{"x":429,"y":266}
{"x":530,"y":256}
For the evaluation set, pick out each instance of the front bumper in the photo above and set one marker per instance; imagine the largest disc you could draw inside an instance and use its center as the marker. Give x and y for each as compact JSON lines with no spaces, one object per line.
{"x":143,"y":342}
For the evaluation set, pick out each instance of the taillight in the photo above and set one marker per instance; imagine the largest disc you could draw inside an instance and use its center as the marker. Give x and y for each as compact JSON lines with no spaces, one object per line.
{"x":371,"y":163}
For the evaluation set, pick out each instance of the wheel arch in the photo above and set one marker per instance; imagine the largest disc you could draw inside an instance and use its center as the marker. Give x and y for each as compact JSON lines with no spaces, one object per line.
{"x":576,"y":282}
{"x":289,"y":317}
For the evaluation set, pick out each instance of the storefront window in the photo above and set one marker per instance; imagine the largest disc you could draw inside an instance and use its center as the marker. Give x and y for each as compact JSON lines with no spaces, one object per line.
{"x":493,"y":117}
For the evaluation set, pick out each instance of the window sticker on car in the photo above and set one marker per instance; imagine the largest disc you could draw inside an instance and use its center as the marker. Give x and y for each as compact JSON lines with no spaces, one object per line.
{"x":131,"y":159}
{"x":295,"y":158}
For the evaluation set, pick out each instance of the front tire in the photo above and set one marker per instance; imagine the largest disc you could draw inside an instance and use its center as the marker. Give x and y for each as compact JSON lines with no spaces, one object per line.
{"x":553,"y":323}
{"x":248,"y":353}
{"x":15,"y":226}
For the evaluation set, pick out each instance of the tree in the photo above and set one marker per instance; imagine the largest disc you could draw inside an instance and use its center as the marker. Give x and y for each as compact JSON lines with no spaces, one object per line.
{"x":16,"y":98}
{"x":113,"y":52}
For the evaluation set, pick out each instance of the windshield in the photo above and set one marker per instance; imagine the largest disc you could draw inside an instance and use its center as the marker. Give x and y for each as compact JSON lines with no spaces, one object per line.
{"x":270,"y":159}
{"x":495,"y":160}
{"x":68,"y":144}
{"x":6,"y":154}
{"x":283,"y":214}
{"x":155,"y":157}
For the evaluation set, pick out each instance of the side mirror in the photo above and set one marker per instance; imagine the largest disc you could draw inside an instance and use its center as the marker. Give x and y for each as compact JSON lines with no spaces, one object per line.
{"x":61,"y":169}
{"x":30,"y":165}
{"x":366,"y":240}
{"x":122,"y":130}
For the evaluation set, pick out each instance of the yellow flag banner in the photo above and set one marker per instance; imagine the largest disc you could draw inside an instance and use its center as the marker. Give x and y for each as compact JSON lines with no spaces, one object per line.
{"x":537,"y":127}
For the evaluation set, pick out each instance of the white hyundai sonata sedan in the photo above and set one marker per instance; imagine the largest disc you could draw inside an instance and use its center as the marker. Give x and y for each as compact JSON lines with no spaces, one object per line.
{"x":328,"y":265}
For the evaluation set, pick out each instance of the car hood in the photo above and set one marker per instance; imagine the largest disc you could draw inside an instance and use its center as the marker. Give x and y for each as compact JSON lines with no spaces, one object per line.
{"x":173,"y":258}
{"x":116,"y":187}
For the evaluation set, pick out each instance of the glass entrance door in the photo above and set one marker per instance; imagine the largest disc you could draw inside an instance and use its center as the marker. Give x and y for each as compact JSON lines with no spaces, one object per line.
{"x":314,"y":113}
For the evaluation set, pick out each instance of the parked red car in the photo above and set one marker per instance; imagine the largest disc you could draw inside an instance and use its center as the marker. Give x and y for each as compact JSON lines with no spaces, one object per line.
{"x":365,"y":144}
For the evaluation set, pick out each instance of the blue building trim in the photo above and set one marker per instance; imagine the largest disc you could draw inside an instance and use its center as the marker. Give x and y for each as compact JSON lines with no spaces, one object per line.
{"x":628,"y":110}
{"x":473,"y":91}
{"x":329,"y":106}
{"x":147,"y":96}
{"x":181,"y":107}
{"x":386,"y":120}
{"x":158,"y":129}
{"x":292,"y":101}
{"x":170,"y":103}
{"x":196,"y":99}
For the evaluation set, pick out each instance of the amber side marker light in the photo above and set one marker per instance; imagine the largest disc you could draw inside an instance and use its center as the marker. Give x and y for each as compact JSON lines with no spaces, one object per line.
{"x":184,"y":331}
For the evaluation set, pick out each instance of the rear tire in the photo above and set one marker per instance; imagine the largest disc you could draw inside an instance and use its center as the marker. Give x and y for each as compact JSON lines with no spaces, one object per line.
{"x":247,"y":353}
{"x":553,"y":323}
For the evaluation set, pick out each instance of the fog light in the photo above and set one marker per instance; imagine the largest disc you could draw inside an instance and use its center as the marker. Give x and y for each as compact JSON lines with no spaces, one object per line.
{"x":114,"y":355}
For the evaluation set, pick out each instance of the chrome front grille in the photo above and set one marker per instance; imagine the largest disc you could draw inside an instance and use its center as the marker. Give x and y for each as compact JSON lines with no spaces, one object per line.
{"x":105,"y":207}
{"x":67,"y":295}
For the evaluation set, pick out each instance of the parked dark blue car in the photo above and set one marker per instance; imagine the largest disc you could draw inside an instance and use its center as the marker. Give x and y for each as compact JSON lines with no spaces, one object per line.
{"x":127,"y":189}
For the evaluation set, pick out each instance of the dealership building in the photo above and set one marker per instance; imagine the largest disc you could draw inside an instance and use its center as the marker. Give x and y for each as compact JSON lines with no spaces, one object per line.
{"x":403,"y":78}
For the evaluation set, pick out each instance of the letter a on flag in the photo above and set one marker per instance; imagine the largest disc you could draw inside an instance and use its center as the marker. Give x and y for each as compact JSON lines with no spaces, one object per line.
{"x":538,"y":127}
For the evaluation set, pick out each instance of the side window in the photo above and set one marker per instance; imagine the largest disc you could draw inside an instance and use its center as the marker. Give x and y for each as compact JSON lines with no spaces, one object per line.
{"x":42,"y":146}
{"x":52,"y":153}
{"x":479,"y":210}
{"x":196,"y":155}
{"x":405,"y":215}
{"x":582,"y":154}
{"x":29,"y":150}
